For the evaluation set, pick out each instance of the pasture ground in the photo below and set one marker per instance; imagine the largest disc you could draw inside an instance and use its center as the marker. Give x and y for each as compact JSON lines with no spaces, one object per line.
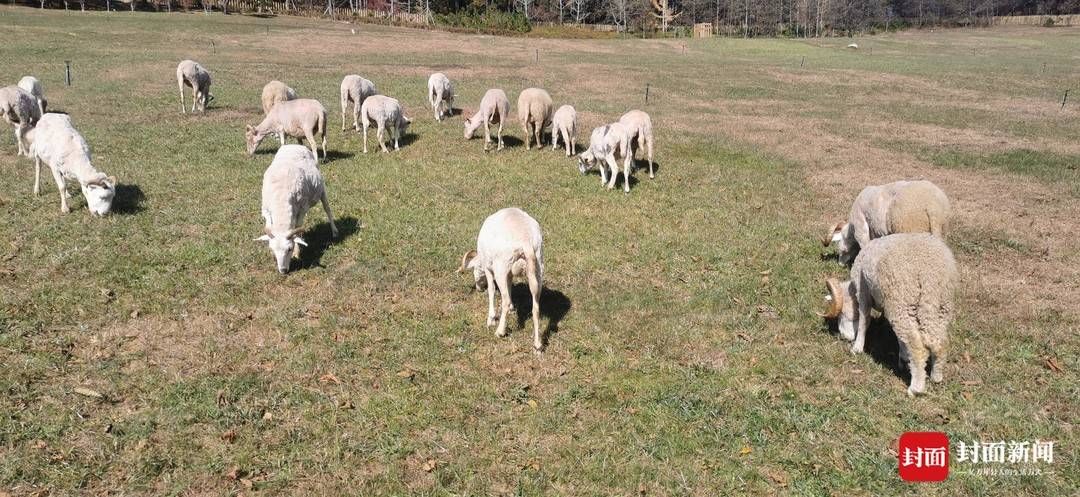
{"x":683,"y":358}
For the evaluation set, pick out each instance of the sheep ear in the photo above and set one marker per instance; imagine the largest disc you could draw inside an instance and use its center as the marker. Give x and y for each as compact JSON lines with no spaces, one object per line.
{"x":299,"y":241}
{"x":262,"y":238}
{"x":835,"y":299}
{"x":467,"y":261}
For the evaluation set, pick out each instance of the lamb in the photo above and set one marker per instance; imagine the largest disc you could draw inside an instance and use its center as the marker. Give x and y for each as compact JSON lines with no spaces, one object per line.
{"x":302,"y":117}
{"x":355,"y":89}
{"x":639,"y":126}
{"x":55,"y":141}
{"x":911,"y":278}
{"x":291,"y":185}
{"x":510,"y":244}
{"x":19,"y":109}
{"x":385,"y":112}
{"x":192,"y":74}
{"x":898,"y":207}
{"x":33,"y":87}
{"x":605,"y":143}
{"x":274,"y":92}
{"x":564,"y":124}
{"x":494,"y":108}
{"x":440,"y":95}
{"x":534,"y":111}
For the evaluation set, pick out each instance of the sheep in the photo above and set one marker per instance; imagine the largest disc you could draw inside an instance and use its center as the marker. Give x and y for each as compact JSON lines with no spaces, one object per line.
{"x":898,"y":207}
{"x":33,"y":87}
{"x":355,"y":89}
{"x":639,"y":127}
{"x":55,"y":141}
{"x":534,"y":111}
{"x":911,"y":278}
{"x":19,"y":109}
{"x":564,"y":123}
{"x":440,"y":95}
{"x":192,"y":74}
{"x":509,"y":244}
{"x":274,"y":92}
{"x":302,"y":117}
{"x":291,"y":185}
{"x":494,"y":108}
{"x":605,"y":143}
{"x":385,"y":112}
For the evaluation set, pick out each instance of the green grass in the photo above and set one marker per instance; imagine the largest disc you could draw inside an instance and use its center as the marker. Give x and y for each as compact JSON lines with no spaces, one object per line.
{"x":1046,"y":166}
{"x":354,"y":371}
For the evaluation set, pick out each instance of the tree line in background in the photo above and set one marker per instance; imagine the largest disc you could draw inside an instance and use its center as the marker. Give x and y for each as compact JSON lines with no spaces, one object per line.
{"x":748,"y":18}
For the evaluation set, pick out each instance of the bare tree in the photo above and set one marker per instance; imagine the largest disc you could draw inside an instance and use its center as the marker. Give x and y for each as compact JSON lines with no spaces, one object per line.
{"x":665,"y":12}
{"x":619,"y":11}
{"x":524,"y":4}
{"x":579,"y":10}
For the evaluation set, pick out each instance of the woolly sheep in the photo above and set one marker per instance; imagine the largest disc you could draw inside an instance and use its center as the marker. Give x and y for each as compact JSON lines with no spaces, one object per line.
{"x":19,"y":109}
{"x":302,"y":117}
{"x":440,"y":95}
{"x":56,"y":142}
{"x":494,"y":108}
{"x":898,"y":207}
{"x":534,"y":108}
{"x":911,"y":279}
{"x":509,"y":244}
{"x":33,"y":87}
{"x":291,"y":185}
{"x":192,"y":74}
{"x":640,"y":134}
{"x":274,"y":92}
{"x":355,"y":89}
{"x":605,"y":143}
{"x":564,"y":124}
{"x":386,"y":113}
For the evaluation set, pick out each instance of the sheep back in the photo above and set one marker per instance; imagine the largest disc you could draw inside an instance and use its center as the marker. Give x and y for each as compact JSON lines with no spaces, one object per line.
{"x":535,"y":105}
{"x":292,"y":184}
{"x":918,"y":207}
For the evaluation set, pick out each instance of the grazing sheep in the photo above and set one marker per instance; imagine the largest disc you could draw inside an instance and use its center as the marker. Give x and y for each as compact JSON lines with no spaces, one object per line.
{"x":274,"y":92}
{"x":441,"y":95}
{"x":639,"y":127}
{"x":33,"y":87}
{"x":898,"y":207}
{"x":510,"y":244}
{"x":55,"y":141}
{"x":494,"y":108}
{"x":190,"y":73}
{"x":911,"y":279}
{"x":564,"y":124}
{"x":386,"y":112}
{"x":354,"y":89}
{"x":605,"y":143}
{"x":534,"y":108}
{"x":300,"y":118}
{"x":291,"y":185}
{"x":19,"y":109}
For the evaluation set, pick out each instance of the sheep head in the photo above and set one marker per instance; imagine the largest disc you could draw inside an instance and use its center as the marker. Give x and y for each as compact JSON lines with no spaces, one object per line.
{"x":99,"y":193}
{"x":468,"y":261}
{"x":841,"y":306}
{"x":833,"y":235}
{"x":252,"y":138}
{"x":284,"y":246}
{"x":586,"y":160}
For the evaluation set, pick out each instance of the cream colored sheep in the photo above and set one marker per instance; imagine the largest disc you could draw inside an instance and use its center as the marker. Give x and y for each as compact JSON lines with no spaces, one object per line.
{"x":386,"y":113}
{"x":300,"y":118}
{"x":564,"y":124}
{"x":440,"y":95}
{"x":639,"y":127}
{"x":19,"y":109}
{"x":274,"y":92}
{"x":191,"y":74}
{"x":494,"y":108}
{"x":898,"y":207}
{"x":534,"y":108}
{"x":33,"y":87}
{"x":355,"y":89}
{"x":56,"y":142}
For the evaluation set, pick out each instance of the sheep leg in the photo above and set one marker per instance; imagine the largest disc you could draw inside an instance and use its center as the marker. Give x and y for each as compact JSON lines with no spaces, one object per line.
{"x":614,"y":166}
{"x":487,"y":135}
{"x":503,"y":276}
{"x":917,"y":352}
{"x":329,"y":215}
{"x":490,"y":277}
{"x":648,"y":144}
{"x":566,"y":141}
{"x":538,"y":130}
{"x":381,"y":130}
{"x":535,"y":288}
{"x":554,"y":138}
{"x":499,"y":133}
{"x":365,"y":136}
{"x":344,"y":103}
{"x":37,"y":176}
{"x":312,"y":143}
{"x":183,"y":108}
{"x":938,"y":354}
{"x":862,"y":316}
{"x":18,"y":140}
{"x":626,"y":175}
{"x":63,"y":190}
{"x":528,"y":135}
{"x":356,"y":117}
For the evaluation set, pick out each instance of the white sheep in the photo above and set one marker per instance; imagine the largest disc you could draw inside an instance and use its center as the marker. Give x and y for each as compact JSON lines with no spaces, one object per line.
{"x":55,"y":141}
{"x":291,"y":185}
{"x":898,"y":207}
{"x":300,"y":118}
{"x":509,"y":244}
{"x":274,"y":92}
{"x":19,"y":109}
{"x":440,"y":95}
{"x":191,"y":74}
{"x":385,"y":112}
{"x":564,"y":124}
{"x":605,"y":143}
{"x":355,"y":89}
{"x":33,"y":87}
{"x":494,"y":108}
{"x":911,"y":278}
{"x":534,"y":108}
{"x":640,"y":133}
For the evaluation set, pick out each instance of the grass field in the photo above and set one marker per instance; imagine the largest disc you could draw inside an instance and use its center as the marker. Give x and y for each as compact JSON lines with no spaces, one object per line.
{"x":683,"y":357}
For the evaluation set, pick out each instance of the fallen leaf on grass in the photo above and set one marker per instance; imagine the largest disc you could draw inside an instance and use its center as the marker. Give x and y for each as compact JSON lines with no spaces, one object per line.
{"x":233,"y":473}
{"x":329,"y":378}
{"x":1054,"y":365}
{"x":406,"y":373}
{"x":744,"y":336}
{"x":745,"y":450}
{"x":429,"y":465}
{"x":229,"y":436}
{"x":89,"y":393}
{"x":532,"y":403}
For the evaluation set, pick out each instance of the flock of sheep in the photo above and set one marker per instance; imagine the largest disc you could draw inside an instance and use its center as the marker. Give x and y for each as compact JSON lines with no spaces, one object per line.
{"x":892,"y":240}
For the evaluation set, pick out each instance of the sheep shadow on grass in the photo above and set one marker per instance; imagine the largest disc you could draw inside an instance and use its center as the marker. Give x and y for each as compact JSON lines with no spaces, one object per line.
{"x":880,"y":345}
{"x":554,"y":306}
{"x":318,"y":239}
{"x":128,"y":199}
{"x":336,"y":155}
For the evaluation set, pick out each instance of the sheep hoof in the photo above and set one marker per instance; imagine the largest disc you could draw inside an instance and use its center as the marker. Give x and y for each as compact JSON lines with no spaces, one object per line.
{"x":491,"y":321}
{"x":539,"y":351}
{"x":910,"y":393}
{"x":65,"y":210}
{"x":856,"y":350}
{"x":500,"y":333}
